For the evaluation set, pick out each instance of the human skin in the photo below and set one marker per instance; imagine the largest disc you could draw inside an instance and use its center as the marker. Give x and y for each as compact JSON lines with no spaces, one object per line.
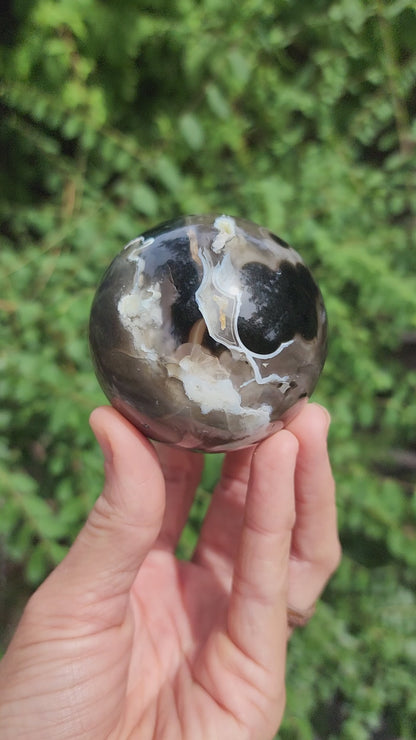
{"x":123,"y":640}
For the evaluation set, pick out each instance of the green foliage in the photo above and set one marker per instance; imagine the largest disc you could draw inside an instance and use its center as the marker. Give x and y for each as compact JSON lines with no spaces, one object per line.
{"x":296,"y":115}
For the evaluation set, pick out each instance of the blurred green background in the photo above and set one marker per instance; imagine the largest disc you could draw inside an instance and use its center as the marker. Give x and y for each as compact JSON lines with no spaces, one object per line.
{"x":296,"y":115}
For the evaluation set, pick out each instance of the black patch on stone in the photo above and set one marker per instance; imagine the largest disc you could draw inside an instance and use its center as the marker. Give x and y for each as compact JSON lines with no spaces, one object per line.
{"x":279,"y":241}
{"x":178,"y":266}
{"x":276,"y":306}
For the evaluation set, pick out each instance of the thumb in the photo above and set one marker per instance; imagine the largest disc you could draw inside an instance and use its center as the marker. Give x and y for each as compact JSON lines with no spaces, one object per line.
{"x":125,"y":520}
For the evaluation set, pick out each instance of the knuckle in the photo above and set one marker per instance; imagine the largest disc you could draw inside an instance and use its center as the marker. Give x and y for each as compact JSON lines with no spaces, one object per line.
{"x":333,"y":558}
{"x":328,"y":560}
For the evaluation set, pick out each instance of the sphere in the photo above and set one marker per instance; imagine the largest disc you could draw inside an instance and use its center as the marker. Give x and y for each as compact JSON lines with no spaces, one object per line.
{"x":208,"y":332}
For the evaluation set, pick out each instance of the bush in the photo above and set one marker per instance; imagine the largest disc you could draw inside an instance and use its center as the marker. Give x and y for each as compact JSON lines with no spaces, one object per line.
{"x":300,"y":117}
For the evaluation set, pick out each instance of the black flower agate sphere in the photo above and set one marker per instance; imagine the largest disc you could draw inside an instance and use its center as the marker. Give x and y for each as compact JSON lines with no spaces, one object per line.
{"x":208,"y":332}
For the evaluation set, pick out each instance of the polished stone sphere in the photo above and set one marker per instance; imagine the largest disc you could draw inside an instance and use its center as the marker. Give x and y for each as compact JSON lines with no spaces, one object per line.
{"x":208,"y":332}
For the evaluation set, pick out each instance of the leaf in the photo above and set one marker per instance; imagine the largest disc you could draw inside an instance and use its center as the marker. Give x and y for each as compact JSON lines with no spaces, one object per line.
{"x":37,"y":565}
{"x":217,"y":102}
{"x":144,"y":199}
{"x":191,"y":131}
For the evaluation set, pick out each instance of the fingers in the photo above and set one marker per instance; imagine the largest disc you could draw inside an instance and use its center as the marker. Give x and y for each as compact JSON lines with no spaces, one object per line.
{"x":221,"y":529}
{"x":182,"y":470}
{"x":315,"y":545}
{"x":125,"y":521}
{"x":257,"y":620}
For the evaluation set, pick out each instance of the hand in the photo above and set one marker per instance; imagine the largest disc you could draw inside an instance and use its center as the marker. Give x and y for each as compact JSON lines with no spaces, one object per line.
{"x":124,"y":641}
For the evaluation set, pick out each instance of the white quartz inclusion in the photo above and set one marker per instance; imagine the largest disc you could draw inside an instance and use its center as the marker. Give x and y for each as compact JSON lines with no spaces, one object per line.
{"x":208,"y":395}
{"x":225,"y":226}
{"x":141,"y":314}
{"x":209,"y":385}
